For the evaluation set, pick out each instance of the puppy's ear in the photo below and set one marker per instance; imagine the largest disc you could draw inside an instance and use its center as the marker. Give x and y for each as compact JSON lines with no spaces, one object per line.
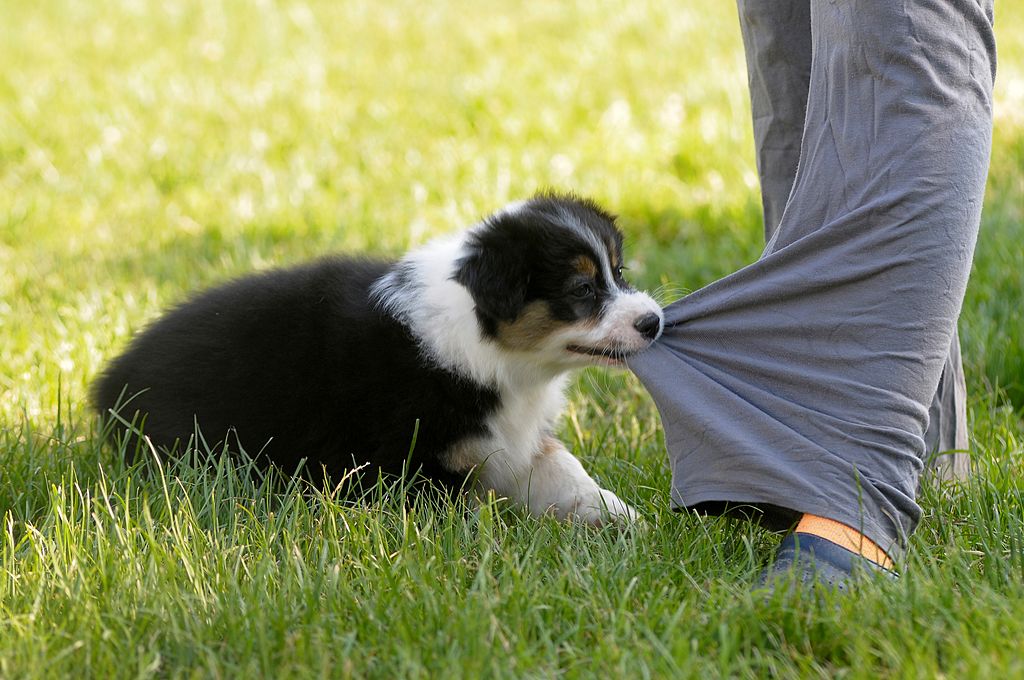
{"x":497,"y":277}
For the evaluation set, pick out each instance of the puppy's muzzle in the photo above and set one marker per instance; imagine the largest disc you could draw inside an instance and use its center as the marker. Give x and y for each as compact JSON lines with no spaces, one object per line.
{"x":648,"y":325}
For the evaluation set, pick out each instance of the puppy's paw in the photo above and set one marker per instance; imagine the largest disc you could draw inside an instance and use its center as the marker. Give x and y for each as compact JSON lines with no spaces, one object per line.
{"x":604,"y":507}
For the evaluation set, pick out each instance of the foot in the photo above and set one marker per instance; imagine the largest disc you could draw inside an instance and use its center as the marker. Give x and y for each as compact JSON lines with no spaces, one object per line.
{"x":804,"y":560}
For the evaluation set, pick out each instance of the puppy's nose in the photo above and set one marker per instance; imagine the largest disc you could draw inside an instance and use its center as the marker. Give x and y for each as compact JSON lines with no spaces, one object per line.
{"x":648,"y":325}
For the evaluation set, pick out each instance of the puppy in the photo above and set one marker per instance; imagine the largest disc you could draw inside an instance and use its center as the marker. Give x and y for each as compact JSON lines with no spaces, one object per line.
{"x":467,"y":342}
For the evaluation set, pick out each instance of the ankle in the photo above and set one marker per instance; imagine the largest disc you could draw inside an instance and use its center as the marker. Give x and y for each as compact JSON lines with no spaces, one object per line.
{"x":844,"y":536}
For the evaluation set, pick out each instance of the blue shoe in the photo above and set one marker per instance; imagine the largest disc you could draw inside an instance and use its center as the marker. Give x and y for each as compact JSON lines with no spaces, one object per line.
{"x":804,"y":560}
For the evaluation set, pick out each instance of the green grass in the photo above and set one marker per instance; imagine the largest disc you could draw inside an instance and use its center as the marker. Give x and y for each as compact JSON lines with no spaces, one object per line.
{"x":147,"y":149}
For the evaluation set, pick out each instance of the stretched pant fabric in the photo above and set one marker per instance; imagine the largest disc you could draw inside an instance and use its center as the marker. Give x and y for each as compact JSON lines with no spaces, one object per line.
{"x":803,"y":382}
{"x":777,"y":39}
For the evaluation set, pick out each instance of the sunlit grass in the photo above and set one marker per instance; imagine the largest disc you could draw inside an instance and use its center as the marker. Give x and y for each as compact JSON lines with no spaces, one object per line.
{"x":150,"y":148}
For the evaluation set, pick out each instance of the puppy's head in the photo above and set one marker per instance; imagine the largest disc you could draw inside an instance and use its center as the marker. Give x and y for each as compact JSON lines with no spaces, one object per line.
{"x":546,"y":278}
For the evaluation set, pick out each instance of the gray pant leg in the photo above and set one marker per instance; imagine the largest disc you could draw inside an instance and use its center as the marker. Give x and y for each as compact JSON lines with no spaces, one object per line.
{"x":947,"y":422}
{"x":777,"y":41}
{"x":804,"y":380}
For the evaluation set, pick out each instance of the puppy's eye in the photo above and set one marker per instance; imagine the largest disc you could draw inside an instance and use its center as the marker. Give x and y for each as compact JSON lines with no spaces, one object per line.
{"x":582,"y":291}
{"x":618,"y":271}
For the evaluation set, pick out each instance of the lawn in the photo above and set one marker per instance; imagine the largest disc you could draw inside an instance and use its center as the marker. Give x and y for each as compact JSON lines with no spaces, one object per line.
{"x":151,"y":148}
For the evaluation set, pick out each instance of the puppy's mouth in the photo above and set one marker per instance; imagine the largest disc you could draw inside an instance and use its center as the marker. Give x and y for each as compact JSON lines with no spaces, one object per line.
{"x":613,"y":355}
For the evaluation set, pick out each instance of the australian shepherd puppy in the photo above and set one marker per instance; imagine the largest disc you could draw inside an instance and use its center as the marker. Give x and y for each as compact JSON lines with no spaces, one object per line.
{"x":467,"y":341}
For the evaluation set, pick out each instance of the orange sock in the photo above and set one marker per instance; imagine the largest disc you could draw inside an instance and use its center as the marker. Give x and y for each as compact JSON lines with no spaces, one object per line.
{"x":844,"y":536}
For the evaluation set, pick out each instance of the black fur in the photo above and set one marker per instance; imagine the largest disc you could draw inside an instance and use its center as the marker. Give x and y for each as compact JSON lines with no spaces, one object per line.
{"x":297,"y":363}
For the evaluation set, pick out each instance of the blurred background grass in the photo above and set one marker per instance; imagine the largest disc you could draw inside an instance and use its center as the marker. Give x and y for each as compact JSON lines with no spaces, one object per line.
{"x":148,"y":148}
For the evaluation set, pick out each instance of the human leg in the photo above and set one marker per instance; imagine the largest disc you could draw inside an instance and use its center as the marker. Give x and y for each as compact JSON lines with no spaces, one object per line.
{"x":802,"y":383}
{"x":946,"y":456}
{"x":777,"y":42}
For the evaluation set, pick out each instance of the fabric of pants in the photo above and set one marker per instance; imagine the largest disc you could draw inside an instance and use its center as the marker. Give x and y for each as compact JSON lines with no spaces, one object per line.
{"x":803,"y":383}
{"x":777,"y":42}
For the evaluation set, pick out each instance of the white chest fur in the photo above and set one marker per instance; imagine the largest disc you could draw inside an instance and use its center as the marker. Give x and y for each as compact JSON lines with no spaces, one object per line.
{"x":525,"y":417}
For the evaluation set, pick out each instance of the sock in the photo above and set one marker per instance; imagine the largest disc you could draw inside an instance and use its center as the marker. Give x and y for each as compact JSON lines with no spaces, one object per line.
{"x":844,"y":536}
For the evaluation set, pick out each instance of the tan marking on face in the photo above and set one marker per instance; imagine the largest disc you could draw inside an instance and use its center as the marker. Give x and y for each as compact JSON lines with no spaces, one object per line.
{"x":529,"y":329}
{"x":586,"y":266}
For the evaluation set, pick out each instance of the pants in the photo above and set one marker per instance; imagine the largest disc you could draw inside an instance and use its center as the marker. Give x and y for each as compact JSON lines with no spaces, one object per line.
{"x":819,"y":378}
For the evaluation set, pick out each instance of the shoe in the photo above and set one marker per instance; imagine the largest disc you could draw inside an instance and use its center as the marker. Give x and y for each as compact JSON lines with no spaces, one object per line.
{"x":804,"y":560}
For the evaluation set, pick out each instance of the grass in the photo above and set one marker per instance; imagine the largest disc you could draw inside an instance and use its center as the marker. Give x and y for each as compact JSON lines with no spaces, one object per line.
{"x":147,"y":149}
